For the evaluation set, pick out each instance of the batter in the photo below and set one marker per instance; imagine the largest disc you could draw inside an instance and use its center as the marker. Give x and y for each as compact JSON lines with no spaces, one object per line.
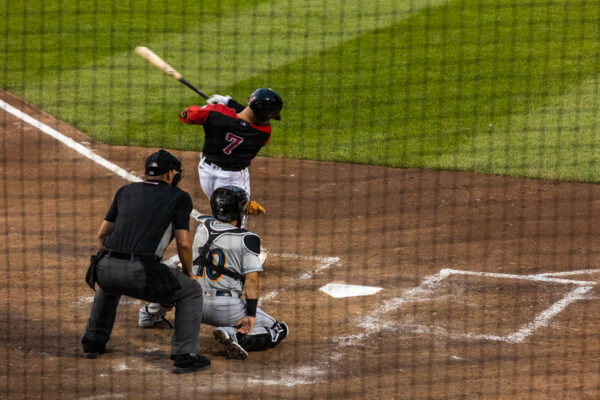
{"x":233,"y":136}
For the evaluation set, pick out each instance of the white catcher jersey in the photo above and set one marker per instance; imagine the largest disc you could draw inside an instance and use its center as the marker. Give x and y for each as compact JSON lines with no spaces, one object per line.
{"x":234,"y":249}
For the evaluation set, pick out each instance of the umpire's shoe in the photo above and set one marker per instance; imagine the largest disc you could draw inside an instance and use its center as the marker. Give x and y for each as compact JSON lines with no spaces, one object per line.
{"x":233,"y":348}
{"x":184,"y":363}
{"x":92,"y":350}
{"x":93,"y":354}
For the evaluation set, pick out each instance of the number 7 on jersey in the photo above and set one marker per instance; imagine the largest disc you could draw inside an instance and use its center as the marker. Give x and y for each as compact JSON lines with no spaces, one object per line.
{"x":234,"y":140}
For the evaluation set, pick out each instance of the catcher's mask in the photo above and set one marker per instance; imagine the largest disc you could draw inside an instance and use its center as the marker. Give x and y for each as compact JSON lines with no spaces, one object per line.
{"x":229,"y":203}
{"x":266,"y":104}
{"x":162,"y":162}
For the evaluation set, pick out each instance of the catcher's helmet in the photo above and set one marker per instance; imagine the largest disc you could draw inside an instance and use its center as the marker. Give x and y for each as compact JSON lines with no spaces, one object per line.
{"x":229,"y":203}
{"x":266,"y":104}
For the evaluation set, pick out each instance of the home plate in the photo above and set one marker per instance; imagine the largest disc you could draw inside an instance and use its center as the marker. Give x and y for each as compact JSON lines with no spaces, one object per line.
{"x":339,"y":290}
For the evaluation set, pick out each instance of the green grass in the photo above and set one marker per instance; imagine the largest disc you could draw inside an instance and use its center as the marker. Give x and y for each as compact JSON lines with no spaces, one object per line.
{"x":494,"y":86}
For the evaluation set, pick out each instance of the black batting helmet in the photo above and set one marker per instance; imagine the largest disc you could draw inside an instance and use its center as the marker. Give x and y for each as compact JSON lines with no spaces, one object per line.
{"x":229,"y":203}
{"x":266,"y":104}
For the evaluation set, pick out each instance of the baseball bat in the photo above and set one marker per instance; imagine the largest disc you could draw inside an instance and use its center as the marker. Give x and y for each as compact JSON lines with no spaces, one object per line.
{"x":159,"y":63}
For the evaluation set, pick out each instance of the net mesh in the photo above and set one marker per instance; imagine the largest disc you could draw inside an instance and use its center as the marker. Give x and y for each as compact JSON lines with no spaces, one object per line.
{"x":430,"y":192}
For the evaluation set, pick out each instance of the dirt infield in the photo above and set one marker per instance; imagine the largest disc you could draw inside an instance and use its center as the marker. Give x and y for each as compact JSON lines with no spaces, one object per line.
{"x":489,"y":284}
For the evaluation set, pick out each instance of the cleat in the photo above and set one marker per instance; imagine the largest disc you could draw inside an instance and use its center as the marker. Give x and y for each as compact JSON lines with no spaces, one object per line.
{"x":233,"y":349}
{"x":146,"y":320}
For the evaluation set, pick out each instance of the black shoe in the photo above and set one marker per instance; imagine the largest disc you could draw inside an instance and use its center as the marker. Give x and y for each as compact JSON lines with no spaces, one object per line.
{"x":184,"y":363}
{"x":92,"y":351}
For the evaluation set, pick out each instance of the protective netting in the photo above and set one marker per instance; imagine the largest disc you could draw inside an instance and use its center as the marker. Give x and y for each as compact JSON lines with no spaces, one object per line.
{"x":430,"y":192}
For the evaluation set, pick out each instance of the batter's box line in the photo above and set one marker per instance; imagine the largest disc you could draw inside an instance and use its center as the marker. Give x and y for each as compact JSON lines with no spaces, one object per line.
{"x":376,"y":321}
{"x":322,"y":263}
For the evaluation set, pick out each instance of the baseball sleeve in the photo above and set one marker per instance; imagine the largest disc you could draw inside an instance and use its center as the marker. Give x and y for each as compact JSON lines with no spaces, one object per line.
{"x":183,"y":210}
{"x":194,"y":115}
{"x":113,"y":211}
{"x":251,"y":261}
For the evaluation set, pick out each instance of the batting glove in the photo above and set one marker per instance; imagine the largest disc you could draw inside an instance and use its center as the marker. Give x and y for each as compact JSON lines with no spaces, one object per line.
{"x":218,"y":99}
{"x":256,"y":209}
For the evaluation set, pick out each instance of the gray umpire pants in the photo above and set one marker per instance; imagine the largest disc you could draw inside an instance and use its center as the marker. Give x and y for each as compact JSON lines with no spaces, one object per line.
{"x":122,"y":277}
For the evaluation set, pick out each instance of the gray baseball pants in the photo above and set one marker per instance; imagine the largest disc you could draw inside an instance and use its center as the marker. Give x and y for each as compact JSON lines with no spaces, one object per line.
{"x":122,"y":277}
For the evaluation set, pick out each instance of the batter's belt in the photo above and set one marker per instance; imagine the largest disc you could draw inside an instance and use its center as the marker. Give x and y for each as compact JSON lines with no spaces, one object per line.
{"x":215,"y":165}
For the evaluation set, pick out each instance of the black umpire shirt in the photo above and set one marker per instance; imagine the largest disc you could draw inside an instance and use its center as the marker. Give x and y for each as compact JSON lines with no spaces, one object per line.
{"x":146,"y":216}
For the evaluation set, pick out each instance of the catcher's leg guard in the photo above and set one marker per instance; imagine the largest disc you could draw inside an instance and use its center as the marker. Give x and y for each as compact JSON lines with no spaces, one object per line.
{"x":255,"y":342}
{"x":263,"y":341}
{"x":279,"y":331}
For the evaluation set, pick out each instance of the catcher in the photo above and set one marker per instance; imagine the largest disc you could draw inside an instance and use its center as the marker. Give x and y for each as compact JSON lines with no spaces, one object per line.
{"x":225,"y":263}
{"x":234,"y":135}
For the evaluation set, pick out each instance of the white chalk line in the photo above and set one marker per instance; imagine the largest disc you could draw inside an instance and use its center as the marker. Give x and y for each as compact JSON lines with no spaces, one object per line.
{"x":376,"y":321}
{"x":292,"y":377}
{"x":545,"y":316}
{"x":323,"y":263}
{"x":124,"y":300}
{"x":105,"y":396}
{"x":536,"y":277}
{"x":72,"y":144}
{"x":68,"y":142}
{"x":569,"y":273}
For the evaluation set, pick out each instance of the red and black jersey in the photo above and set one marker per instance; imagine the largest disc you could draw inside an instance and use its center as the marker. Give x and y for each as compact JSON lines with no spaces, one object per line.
{"x":229,"y":142}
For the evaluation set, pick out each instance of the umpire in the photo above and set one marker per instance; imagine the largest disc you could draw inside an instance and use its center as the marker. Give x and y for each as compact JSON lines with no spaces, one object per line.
{"x":143,"y":219}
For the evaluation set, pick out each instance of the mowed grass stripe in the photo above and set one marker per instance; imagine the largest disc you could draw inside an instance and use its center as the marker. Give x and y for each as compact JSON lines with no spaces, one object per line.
{"x":463,"y":86}
{"x":490,"y":86}
{"x":228,"y":39}
{"x":558,"y":139}
{"x":118,"y":98}
{"x":542,"y":111}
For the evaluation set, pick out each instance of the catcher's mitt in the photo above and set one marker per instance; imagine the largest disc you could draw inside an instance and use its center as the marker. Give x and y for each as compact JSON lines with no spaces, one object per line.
{"x":256,"y":209}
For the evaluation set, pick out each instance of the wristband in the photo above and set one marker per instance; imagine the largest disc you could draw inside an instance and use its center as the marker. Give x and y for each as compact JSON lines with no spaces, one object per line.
{"x":251,"y":305}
